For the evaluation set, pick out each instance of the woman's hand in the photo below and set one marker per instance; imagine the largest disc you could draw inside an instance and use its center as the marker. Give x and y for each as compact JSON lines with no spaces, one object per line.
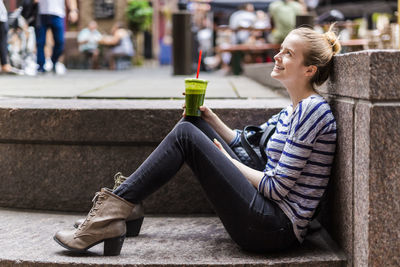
{"x":207,"y":114}
{"x":184,"y":110}
{"x":221,"y":148}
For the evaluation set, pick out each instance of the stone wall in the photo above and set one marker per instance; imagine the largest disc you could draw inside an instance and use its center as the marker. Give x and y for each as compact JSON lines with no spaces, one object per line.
{"x":86,"y":15}
{"x":364,"y":207}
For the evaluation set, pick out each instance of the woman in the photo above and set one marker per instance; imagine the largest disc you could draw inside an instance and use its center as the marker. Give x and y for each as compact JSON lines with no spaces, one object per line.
{"x":261,"y":210}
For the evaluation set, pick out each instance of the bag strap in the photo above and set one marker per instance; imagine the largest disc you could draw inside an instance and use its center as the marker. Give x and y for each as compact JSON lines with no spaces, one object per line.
{"x":269,"y":131}
{"x":247,"y":146}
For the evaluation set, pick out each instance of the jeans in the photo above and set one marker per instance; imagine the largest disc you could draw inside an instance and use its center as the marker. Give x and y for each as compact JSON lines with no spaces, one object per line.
{"x":254,"y":222}
{"x":56,"y":24}
{"x":3,"y":43}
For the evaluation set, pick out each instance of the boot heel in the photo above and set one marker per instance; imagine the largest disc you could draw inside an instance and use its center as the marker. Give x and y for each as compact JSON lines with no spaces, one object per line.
{"x":113,"y":246}
{"x":133,"y":227}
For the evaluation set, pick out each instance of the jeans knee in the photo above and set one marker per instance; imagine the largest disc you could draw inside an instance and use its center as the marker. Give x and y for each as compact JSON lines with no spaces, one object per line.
{"x":185,"y":127}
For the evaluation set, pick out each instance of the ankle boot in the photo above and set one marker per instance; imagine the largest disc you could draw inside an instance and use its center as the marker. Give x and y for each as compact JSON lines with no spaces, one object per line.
{"x":133,"y":222}
{"x":104,"y":223}
{"x":135,"y":219}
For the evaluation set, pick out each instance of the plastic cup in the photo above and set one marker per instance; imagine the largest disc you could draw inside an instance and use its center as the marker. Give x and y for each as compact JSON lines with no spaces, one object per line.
{"x":195,"y":91}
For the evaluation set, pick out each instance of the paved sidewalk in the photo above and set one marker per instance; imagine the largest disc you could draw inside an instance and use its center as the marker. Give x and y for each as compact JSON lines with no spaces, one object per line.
{"x":138,"y":83}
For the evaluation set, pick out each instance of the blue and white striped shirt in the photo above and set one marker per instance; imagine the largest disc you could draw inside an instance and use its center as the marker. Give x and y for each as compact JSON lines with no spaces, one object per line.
{"x":300,"y":155}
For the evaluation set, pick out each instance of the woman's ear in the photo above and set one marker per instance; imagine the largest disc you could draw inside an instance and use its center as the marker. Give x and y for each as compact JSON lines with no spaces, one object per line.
{"x":311,"y":70}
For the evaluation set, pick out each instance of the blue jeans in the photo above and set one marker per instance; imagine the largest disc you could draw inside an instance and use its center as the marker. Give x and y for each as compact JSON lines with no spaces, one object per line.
{"x":56,"y":24}
{"x":254,"y":222}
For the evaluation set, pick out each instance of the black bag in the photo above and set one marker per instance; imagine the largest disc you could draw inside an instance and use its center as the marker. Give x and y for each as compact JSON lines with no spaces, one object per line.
{"x":251,"y":151}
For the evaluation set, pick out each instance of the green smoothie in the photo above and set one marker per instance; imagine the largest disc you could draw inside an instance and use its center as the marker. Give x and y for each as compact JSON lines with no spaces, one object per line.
{"x":195,"y":90}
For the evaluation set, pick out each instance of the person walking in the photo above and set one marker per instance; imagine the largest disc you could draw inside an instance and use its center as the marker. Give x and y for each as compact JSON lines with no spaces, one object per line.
{"x":5,"y":65}
{"x":51,"y":16}
{"x":263,"y":211}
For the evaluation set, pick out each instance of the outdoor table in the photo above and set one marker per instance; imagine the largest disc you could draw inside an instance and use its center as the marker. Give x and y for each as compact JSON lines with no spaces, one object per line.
{"x":237,"y":51}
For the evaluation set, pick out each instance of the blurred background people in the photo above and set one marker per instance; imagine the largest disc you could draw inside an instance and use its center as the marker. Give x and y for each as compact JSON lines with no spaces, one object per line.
{"x":88,"y":40}
{"x":240,"y":21}
{"x":51,"y":15}
{"x":263,"y":21}
{"x":5,"y":66}
{"x":120,"y":44}
{"x":30,"y":11}
{"x":283,"y":14}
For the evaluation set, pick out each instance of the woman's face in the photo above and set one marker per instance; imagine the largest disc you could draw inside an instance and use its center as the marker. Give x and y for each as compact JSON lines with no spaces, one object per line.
{"x":289,"y":62}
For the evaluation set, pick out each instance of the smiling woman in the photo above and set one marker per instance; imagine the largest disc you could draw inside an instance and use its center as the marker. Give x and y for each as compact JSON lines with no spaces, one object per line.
{"x":263,"y":211}
{"x":305,"y":60}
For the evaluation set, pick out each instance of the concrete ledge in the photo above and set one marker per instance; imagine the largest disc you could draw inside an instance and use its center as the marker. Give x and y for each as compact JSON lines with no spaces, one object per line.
{"x":55,"y":154}
{"x":163,"y":241}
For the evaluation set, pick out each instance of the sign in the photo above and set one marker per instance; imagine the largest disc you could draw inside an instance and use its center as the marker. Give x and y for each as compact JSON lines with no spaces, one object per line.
{"x":104,"y":9}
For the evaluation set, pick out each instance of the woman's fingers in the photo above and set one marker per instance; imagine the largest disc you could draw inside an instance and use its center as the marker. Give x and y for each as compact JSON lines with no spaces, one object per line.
{"x":184,"y":110}
{"x":221,"y":148}
{"x":203,"y":108}
{"x":218,"y":144}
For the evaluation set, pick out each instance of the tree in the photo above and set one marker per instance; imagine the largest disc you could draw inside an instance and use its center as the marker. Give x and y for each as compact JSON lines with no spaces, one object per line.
{"x":139,"y":15}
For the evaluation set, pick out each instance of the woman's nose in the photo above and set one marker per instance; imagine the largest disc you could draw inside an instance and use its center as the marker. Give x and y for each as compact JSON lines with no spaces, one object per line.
{"x":276,"y":57}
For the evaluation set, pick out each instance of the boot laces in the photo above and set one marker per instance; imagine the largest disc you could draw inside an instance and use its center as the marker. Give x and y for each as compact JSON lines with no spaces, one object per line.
{"x":118,"y":180}
{"x":97,"y":201}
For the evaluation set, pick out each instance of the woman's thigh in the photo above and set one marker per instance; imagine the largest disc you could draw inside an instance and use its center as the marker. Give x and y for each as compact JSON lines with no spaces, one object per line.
{"x":269,"y":229}
{"x":254,"y":222}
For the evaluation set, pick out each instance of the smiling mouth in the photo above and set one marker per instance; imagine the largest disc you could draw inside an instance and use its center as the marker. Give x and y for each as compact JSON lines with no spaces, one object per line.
{"x":278,"y":67}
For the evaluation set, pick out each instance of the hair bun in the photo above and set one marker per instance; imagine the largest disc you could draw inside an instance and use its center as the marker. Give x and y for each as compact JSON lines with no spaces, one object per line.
{"x":333,"y":40}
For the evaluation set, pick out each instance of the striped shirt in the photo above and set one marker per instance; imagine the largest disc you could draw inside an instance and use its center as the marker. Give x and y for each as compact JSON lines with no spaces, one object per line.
{"x":300,"y":155}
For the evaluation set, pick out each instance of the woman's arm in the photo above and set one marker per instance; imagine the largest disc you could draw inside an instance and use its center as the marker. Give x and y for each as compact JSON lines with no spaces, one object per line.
{"x":109,"y":40}
{"x":252,"y":175}
{"x":113,"y":39}
{"x":217,"y":124}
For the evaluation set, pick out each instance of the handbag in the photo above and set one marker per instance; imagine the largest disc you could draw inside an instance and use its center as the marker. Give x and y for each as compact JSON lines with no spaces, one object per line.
{"x":251,"y":150}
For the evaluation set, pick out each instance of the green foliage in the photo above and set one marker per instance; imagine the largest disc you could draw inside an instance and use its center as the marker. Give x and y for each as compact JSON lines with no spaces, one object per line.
{"x":139,"y":15}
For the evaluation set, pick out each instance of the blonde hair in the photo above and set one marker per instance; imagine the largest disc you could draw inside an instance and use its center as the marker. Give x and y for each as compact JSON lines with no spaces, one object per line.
{"x":319,"y":52}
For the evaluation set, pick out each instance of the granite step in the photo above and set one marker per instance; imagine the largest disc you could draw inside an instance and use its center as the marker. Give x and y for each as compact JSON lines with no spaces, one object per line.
{"x":26,"y":240}
{"x":48,"y":145}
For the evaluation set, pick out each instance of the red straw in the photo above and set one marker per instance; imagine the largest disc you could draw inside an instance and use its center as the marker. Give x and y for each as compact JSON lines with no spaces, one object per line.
{"x":198,"y":65}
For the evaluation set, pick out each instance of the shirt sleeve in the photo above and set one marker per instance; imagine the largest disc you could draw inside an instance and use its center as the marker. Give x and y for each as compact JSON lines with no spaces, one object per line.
{"x":236,"y":140}
{"x":306,"y":125}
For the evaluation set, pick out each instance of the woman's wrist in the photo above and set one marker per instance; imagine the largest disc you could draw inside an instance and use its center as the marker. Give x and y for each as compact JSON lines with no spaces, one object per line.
{"x":211,"y":119}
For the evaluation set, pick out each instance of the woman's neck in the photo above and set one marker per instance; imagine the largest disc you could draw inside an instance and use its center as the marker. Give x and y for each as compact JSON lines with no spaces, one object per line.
{"x":299,"y":93}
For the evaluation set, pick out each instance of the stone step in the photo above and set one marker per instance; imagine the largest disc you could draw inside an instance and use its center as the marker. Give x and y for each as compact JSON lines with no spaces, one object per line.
{"x":55,"y":154}
{"x":26,"y":240}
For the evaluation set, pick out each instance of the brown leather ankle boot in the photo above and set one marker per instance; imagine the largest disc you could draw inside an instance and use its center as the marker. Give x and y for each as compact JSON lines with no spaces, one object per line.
{"x":134,"y":220}
{"x":104,"y":223}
